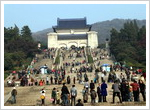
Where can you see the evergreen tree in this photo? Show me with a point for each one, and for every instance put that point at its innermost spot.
(16, 32)
(129, 44)
(11, 34)
(18, 50)
(26, 33)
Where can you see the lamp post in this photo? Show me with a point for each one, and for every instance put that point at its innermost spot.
(107, 43)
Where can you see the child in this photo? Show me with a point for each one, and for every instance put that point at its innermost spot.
(42, 96)
(57, 97)
(74, 80)
(130, 94)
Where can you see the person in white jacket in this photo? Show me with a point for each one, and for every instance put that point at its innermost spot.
(42, 96)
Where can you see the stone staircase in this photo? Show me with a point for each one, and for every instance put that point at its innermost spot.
(30, 96)
(77, 59)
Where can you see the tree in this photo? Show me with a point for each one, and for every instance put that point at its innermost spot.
(16, 32)
(114, 40)
(8, 62)
(129, 44)
(26, 33)
(18, 48)
(11, 33)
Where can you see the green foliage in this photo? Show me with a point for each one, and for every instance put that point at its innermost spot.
(19, 49)
(6, 74)
(8, 62)
(101, 46)
(11, 34)
(129, 44)
(90, 59)
(57, 61)
(43, 45)
(26, 33)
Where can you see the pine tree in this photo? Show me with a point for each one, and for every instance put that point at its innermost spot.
(26, 33)
(129, 44)
(16, 32)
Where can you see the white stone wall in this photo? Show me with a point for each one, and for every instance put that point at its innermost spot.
(69, 43)
(92, 40)
(52, 40)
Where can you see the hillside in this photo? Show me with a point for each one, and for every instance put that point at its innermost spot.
(42, 35)
(103, 29)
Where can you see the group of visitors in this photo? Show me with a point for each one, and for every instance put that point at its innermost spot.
(125, 91)
(101, 92)
(96, 89)
(49, 53)
(65, 98)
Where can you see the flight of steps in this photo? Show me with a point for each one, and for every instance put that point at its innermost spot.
(42, 61)
(66, 59)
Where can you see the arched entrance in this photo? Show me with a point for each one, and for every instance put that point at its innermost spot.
(62, 45)
(82, 45)
(72, 44)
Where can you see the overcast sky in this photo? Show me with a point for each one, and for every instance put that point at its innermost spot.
(43, 16)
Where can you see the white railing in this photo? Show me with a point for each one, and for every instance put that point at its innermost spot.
(86, 58)
(56, 52)
(7, 97)
(94, 64)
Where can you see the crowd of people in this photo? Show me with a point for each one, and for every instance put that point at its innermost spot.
(49, 53)
(95, 82)
(126, 92)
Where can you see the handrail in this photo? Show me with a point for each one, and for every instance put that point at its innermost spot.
(7, 97)
(86, 58)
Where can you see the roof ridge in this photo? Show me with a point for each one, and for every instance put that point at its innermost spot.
(71, 19)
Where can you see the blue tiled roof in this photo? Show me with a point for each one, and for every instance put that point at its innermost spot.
(79, 23)
(72, 36)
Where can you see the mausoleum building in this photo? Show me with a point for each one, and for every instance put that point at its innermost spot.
(72, 32)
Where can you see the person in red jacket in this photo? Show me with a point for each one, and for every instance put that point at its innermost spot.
(41, 82)
(135, 87)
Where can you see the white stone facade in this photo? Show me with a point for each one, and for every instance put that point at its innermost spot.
(92, 39)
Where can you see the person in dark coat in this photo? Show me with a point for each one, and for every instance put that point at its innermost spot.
(56, 80)
(93, 96)
(116, 90)
(123, 91)
(65, 93)
(142, 89)
(85, 94)
(13, 94)
(51, 79)
(104, 91)
(99, 93)
(68, 80)
(85, 77)
(74, 80)
(79, 103)
(92, 85)
(54, 95)
(127, 91)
